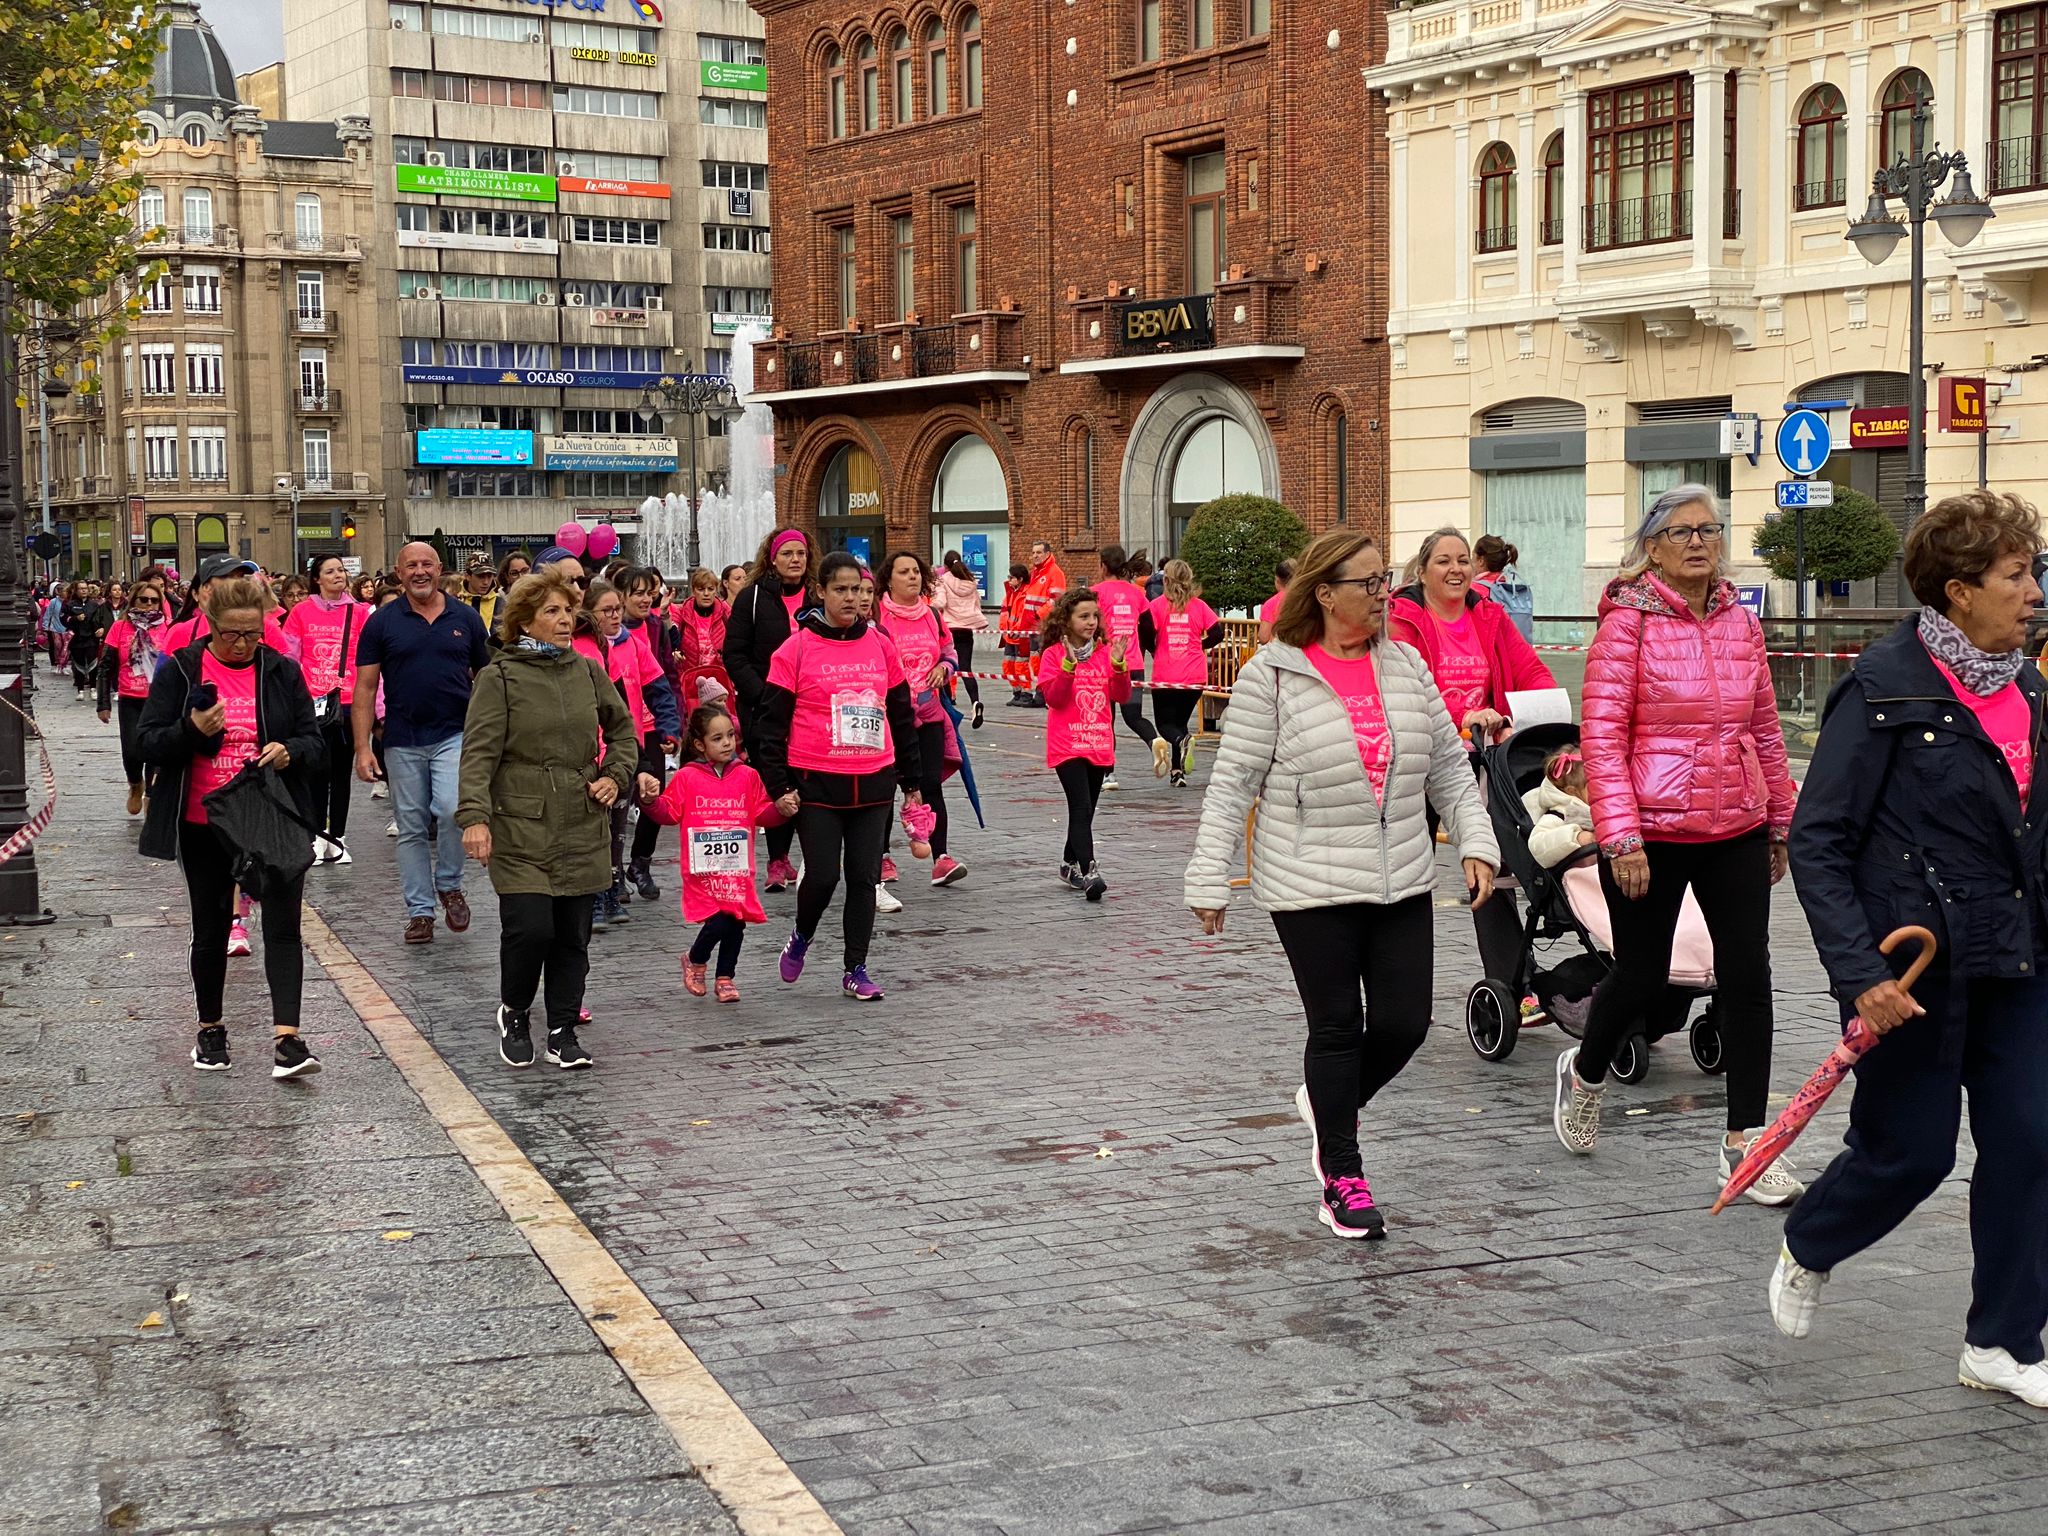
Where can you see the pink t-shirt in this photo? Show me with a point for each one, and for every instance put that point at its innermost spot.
(1462, 675)
(121, 642)
(1121, 604)
(2008, 720)
(841, 720)
(792, 601)
(1357, 684)
(1179, 661)
(316, 630)
(1269, 610)
(717, 814)
(237, 687)
(1079, 710)
(629, 664)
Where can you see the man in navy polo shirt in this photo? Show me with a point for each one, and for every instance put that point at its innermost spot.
(425, 650)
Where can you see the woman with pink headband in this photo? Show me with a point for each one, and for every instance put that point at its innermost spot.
(781, 589)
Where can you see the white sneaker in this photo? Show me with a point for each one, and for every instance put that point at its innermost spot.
(391, 830)
(1109, 781)
(886, 900)
(323, 851)
(341, 853)
(1575, 1112)
(1795, 1294)
(1774, 1186)
(1303, 1108)
(1995, 1370)
(380, 790)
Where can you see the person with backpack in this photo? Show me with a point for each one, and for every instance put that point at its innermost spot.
(1499, 580)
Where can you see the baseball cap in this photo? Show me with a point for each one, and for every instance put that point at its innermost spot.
(480, 565)
(214, 567)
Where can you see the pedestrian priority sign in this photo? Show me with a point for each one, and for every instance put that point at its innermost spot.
(1805, 493)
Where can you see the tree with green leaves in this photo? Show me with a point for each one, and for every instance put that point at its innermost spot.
(1853, 540)
(1234, 542)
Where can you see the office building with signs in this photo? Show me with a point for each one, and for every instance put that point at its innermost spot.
(247, 383)
(572, 205)
(1072, 271)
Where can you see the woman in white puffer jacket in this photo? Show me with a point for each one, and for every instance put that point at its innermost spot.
(1339, 735)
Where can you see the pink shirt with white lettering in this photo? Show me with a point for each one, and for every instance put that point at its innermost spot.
(1121, 604)
(316, 628)
(1080, 705)
(237, 687)
(1462, 675)
(841, 720)
(717, 813)
(1179, 660)
(1357, 685)
(2008, 720)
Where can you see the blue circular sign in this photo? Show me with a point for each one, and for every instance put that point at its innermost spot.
(1804, 442)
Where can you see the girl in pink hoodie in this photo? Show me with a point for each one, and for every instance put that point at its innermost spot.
(1083, 681)
(717, 801)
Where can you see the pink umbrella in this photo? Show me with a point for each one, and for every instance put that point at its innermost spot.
(1856, 1039)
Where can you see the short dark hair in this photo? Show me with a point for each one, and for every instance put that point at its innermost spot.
(839, 560)
(1959, 537)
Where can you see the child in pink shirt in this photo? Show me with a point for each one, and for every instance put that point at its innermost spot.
(1082, 682)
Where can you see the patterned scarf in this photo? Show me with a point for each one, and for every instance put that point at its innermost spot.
(144, 651)
(538, 647)
(1982, 672)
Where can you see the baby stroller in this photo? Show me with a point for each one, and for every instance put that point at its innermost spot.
(1563, 988)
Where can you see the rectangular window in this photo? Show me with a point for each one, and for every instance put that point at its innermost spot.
(209, 449)
(1203, 20)
(729, 112)
(133, 471)
(149, 209)
(408, 17)
(604, 295)
(409, 82)
(313, 374)
(450, 21)
(1206, 245)
(846, 270)
(613, 485)
(156, 298)
(904, 244)
(592, 102)
(740, 301)
(492, 484)
(416, 350)
(602, 423)
(590, 231)
(735, 237)
(1639, 158)
(613, 359)
(728, 173)
(312, 296)
(203, 365)
(565, 33)
(1148, 30)
(159, 368)
(966, 261)
(420, 418)
(1258, 17)
(718, 362)
(318, 467)
(202, 291)
(2019, 122)
(160, 453)
(731, 50)
(199, 214)
(617, 167)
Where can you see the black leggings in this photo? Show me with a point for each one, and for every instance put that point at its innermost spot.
(831, 833)
(963, 647)
(1134, 716)
(1082, 780)
(210, 885)
(1358, 1042)
(1732, 880)
(543, 934)
(337, 778)
(931, 757)
(128, 712)
(1175, 707)
(654, 763)
(722, 931)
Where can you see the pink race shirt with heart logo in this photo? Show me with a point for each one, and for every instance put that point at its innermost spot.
(1357, 686)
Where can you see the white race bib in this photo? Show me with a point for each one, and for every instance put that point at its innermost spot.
(719, 850)
(859, 722)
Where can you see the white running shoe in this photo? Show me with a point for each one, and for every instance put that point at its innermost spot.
(1774, 1186)
(323, 851)
(380, 790)
(341, 853)
(391, 830)
(1303, 1108)
(1575, 1113)
(886, 900)
(1795, 1294)
(1109, 782)
(238, 937)
(1995, 1370)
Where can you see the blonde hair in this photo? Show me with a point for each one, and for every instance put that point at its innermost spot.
(1181, 587)
(234, 594)
(530, 594)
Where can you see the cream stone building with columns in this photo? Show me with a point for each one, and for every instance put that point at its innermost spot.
(1614, 222)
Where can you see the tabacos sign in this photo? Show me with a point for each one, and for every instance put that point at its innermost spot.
(1882, 426)
(1962, 405)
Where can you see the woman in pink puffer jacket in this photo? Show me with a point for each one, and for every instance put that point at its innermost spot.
(1686, 766)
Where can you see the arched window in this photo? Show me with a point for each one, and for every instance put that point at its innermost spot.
(835, 93)
(936, 89)
(970, 60)
(1909, 88)
(1215, 458)
(210, 535)
(308, 222)
(1340, 465)
(1553, 190)
(902, 78)
(163, 541)
(1497, 198)
(1821, 179)
(195, 135)
(870, 86)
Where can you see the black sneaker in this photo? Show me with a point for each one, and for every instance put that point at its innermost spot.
(641, 879)
(211, 1053)
(1072, 878)
(290, 1058)
(515, 1036)
(615, 904)
(566, 1051)
(621, 891)
(1093, 885)
(599, 912)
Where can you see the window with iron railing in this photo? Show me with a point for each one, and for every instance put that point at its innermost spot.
(1823, 150)
(2017, 158)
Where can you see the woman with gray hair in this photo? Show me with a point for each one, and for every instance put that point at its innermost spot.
(1685, 764)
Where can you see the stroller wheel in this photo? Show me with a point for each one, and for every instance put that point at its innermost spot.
(1493, 1020)
(1705, 1039)
(1631, 1060)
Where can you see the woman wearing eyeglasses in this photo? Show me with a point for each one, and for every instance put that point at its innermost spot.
(1339, 735)
(134, 647)
(1686, 766)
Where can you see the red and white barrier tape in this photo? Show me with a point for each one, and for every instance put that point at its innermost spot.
(39, 823)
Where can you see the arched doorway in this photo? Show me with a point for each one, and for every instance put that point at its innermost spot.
(1198, 437)
(163, 541)
(851, 515)
(1879, 473)
(971, 513)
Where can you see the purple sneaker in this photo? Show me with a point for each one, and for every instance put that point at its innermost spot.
(1348, 1209)
(793, 956)
(857, 986)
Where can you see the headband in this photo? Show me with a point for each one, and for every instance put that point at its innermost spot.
(786, 536)
(1561, 766)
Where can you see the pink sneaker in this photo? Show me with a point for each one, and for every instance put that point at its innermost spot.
(888, 870)
(693, 977)
(238, 937)
(948, 870)
(728, 990)
(1348, 1209)
(781, 874)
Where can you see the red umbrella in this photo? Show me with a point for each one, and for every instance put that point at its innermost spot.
(1856, 1039)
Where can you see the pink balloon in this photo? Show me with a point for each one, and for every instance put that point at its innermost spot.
(572, 538)
(604, 540)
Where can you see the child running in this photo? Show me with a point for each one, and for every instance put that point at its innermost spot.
(1082, 682)
(717, 801)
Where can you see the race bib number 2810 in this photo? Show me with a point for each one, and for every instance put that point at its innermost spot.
(719, 851)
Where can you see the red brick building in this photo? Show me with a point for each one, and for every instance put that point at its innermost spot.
(1068, 270)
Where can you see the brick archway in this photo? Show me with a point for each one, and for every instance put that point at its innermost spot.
(796, 504)
(1145, 485)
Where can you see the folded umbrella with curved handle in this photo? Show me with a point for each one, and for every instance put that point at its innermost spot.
(1856, 1040)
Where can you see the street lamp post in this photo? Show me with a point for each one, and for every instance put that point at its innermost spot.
(1914, 179)
(695, 395)
(20, 901)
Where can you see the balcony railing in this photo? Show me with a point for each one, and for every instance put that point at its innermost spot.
(207, 237)
(1731, 214)
(313, 245)
(1499, 238)
(865, 354)
(1638, 221)
(310, 324)
(894, 354)
(1553, 230)
(2017, 165)
(318, 402)
(932, 350)
(1820, 194)
(1244, 311)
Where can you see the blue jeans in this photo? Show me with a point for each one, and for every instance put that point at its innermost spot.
(425, 784)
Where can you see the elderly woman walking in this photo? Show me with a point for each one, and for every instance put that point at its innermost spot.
(1918, 810)
(535, 807)
(1338, 734)
(1686, 764)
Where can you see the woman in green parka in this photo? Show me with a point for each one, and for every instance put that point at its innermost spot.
(535, 808)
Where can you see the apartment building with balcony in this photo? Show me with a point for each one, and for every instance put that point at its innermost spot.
(1069, 272)
(571, 207)
(1618, 221)
(248, 357)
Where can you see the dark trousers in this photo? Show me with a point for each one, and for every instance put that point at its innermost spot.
(963, 647)
(128, 713)
(780, 839)
(337, 779)
(1175, 707)
(210, 885)
(1082, 781)
(721, 931)
(1497, 925)
(931, 752)
(544, 935)
(648, 832)
(832, 835)
(1732, 879)
(1364, 974)
(1901, 1144)
(1134, 716)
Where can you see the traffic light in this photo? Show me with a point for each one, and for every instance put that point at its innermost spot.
(348, 526)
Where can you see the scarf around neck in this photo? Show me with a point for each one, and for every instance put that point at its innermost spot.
(1982, 672)
(144, 651)
(538, 647)
(905, 611)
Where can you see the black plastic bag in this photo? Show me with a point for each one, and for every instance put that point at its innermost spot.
(269, 844)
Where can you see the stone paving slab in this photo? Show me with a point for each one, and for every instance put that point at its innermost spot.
(1031, 1246)
(301, 1373)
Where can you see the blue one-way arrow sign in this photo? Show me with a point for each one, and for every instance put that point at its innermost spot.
(1804, 442)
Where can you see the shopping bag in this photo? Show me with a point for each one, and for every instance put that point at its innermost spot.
(270, 845)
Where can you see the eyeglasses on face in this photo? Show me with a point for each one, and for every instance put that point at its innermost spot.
(1374, 585)
(1704, 533)
(240, 636)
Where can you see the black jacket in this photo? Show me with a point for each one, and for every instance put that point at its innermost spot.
(754, 630)
(1909, 814)
(168, 742)
(768, 740)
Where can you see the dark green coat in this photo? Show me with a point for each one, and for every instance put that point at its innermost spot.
(529, 746)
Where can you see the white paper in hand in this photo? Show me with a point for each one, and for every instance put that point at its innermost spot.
(1540, 706)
